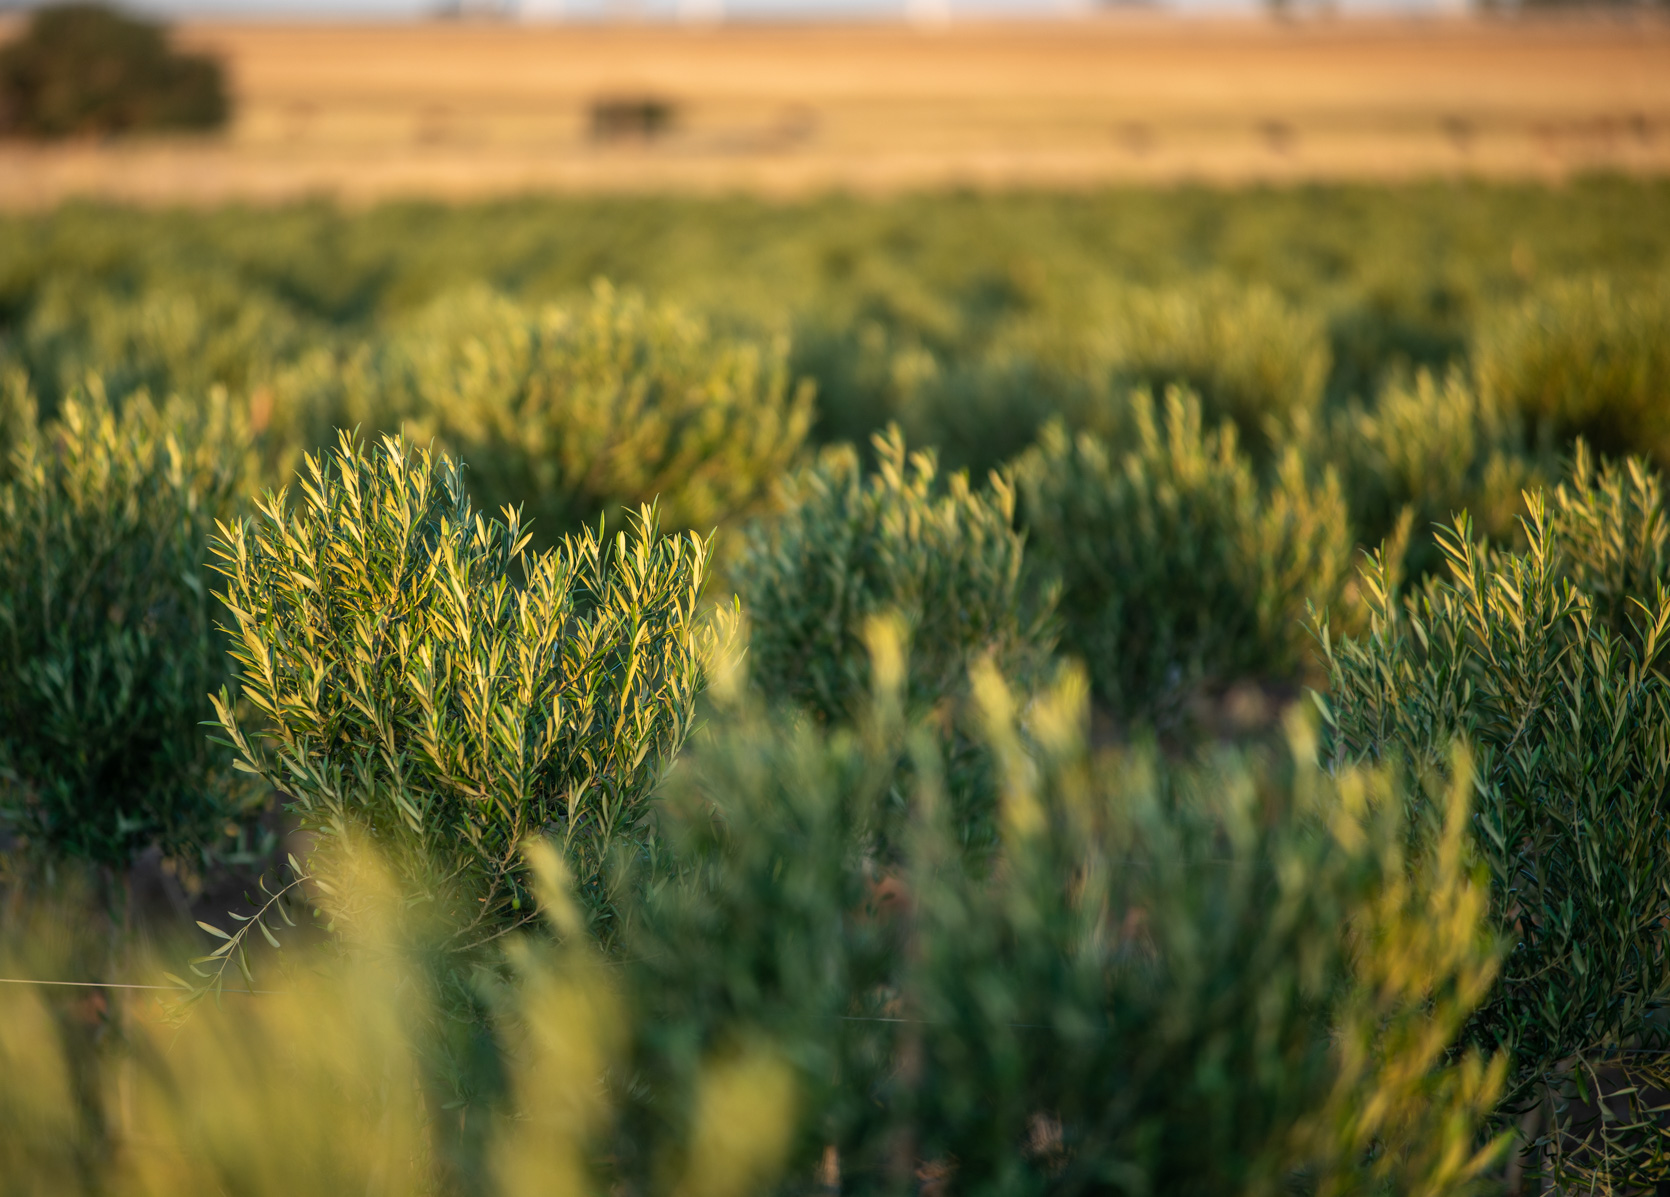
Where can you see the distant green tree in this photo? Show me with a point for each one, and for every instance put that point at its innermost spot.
(87, 70)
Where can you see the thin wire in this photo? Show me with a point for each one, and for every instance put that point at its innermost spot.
(120, 985)
(89, 984)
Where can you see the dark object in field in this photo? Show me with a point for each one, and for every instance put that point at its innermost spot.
(1136, 137)
(1278, 136)
(1461, 131)
(631, 118)
(83, 70)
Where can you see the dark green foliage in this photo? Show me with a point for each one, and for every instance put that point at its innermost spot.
(1179, 572)
(108, 649)
(977, 406)
(770, 933)
(1383, 339)
(1547, 661)
(1138, 998)
(1588, 358)
(850, 546)
(81, 70)
(419, 676)
(852, 551)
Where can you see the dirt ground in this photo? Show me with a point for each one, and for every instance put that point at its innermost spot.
(467, 109)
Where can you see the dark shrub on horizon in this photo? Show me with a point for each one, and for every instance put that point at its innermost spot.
(86, 70)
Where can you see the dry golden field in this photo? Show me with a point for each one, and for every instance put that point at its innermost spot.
(464, 109)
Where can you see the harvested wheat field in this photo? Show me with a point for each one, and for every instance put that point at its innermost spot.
(464, 109)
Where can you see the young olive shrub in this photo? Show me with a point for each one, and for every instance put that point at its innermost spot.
(1194, 980)
(1251, 357)
(1424, 449)
(1584, 359)
(182, 335)
(1179, 572)
(421, 677)
(19, 416)
(1614, 533)
(573, 412)
(850, 545)
(1519, 654)
(108, 646)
